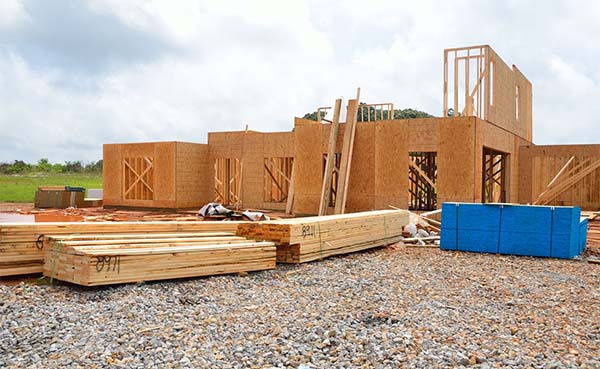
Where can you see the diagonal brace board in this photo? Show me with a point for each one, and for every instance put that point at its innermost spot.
(585, 168)
(139, 177)
(422, 174)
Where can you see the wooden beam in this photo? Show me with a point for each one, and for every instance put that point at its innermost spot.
(330, 163)
(347, 148)
(561, 171)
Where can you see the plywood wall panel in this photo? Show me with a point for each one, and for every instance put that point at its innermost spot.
(361, 187)
(308, 159)
(422, 134)
(193, 179)
(111, 174)
(391, 163)
(539, 164)
(456, 160)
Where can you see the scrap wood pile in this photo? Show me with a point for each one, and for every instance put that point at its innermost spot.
(305, 239)
(21, 246)
(92, 260)
(422, 231)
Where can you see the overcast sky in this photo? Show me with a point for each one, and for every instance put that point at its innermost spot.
(76, 74)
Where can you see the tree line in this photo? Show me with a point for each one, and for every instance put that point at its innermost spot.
(44, 166)
(383, 115)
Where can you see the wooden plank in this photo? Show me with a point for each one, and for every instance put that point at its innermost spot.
(329, 164)
(23, 242)
(347, 148)
(305, 239)
(568, 183)
(119, 263)
(290, 200)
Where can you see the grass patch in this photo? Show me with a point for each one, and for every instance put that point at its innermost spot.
(21, 188)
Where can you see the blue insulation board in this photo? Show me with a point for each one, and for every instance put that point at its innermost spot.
(545, 231)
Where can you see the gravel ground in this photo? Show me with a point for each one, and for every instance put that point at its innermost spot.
(389, 308)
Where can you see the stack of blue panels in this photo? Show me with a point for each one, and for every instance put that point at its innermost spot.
(547, 231)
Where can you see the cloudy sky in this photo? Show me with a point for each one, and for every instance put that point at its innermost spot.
(75, 74)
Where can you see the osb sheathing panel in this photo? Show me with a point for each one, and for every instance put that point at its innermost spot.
(539, 164)
(311, 144)
(379, 172)
(491, 136)
(456, 159)
(309, 148)
(422, 134)
(391, 162)
(112, 174)
(193, 174)
(163, 154)
(251, 148)
(361, 187)
(502, 110)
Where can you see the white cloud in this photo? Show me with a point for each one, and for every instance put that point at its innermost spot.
(12, 13)
(220, 65)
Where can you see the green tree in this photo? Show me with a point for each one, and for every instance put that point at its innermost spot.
(43, 165)
(408, 113)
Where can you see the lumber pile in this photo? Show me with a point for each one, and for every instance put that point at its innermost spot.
(21, 243)
(92, 260)
(305, 239)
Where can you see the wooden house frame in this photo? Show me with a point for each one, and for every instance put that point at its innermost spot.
(480, 150)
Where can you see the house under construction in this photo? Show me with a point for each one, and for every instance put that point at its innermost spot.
(481, 150)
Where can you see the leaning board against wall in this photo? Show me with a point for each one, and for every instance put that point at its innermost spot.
(563, 175)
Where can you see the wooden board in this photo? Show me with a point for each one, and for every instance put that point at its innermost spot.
(539, 164)
(347, 153)
(305, 239)
(21, 244)
(108, 260)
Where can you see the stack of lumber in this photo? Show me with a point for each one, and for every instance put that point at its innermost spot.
(21, 243)
(92, 260)
(305, 239)
(593, 238)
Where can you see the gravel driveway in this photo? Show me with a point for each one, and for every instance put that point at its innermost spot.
(388, 308)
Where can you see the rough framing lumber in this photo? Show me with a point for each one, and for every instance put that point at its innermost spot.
(347, 150)
(290, 200)
(540, 163)
(21, 244)
(477, 82)
(583, 170)
(113, 260)
(422, 174)
(305, 239)
(329, 165)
